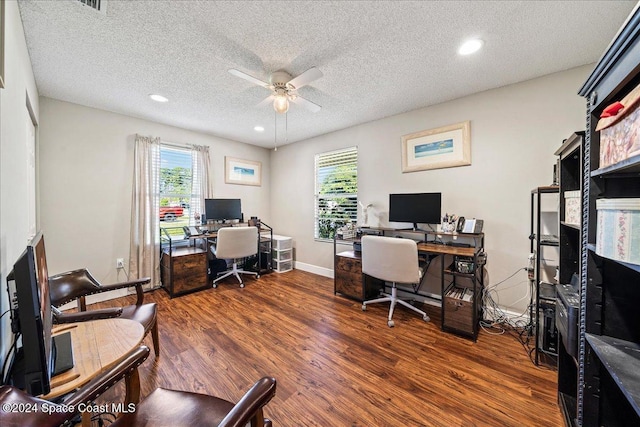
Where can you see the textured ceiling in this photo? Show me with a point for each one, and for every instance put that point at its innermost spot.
(378, 58)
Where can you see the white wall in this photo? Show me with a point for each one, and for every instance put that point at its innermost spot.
(14, 202)
(86, 180)
(514, 133)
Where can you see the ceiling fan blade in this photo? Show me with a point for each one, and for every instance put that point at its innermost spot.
(247, 77)
(311, 106)
(268, 100)
(305, 78)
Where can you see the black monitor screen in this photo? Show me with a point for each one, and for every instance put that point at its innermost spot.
(423, 208)
(34, 308)
(223, 209)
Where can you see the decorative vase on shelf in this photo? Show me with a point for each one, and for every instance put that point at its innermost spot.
(448, 227)
(365, 213)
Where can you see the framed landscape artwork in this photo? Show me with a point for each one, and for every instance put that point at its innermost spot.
(444, 147)
(243, 172)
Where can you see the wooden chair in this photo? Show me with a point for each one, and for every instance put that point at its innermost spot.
(59, 413)
(169, 408)
(78, 284)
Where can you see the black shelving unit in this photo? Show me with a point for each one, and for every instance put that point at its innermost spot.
(570, 172)
(609, 357)
(543, 236)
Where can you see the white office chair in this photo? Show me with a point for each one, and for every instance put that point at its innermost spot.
(392, 260)
(236, 243)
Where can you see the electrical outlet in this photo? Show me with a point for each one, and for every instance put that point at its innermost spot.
(120, 263)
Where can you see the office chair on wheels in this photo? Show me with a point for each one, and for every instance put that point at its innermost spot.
(236, 243)
(392, 260)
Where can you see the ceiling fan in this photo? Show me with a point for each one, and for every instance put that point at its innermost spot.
(285, 88)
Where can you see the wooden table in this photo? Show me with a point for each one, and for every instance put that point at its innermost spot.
(97, 346)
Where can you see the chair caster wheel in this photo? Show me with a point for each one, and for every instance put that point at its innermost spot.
(215, 285)
(257, 276)
(390, 323)
(364, 307)
(425, 318)
(242, 285)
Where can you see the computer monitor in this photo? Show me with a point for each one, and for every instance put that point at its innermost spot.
(416, 208)
(32, 318)
(223, 209)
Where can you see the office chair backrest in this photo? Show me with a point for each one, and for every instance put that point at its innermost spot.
(237, 242)
(390, 259)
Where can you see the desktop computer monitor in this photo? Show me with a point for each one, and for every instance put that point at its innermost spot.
(223, 209)
(416, 208)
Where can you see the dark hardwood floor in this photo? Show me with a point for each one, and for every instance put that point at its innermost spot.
(337, 365)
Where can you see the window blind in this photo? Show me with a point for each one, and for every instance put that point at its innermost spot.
(336, 191)
(176, 175)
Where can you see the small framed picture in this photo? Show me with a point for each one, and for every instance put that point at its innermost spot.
(443, 147)
(242, 172)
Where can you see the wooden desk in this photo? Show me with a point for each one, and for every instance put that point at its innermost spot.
(97, 346)
(457, 315)
(433, 248)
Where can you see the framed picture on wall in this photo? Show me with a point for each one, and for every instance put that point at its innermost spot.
(443, 147)
(243, 172)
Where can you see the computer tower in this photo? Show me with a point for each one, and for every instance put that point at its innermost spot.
(547, 332)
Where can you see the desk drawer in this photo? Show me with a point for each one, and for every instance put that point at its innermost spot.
(348, 265)
(349, 280)
(184, 272)
(348, 277)
(458, 313)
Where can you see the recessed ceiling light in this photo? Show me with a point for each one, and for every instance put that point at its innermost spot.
(258, 129)
(470, 47)
(158, 98)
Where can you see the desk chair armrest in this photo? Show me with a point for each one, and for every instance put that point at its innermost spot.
(35, 418)
(82, 316)
(251, 404)
(77, 284)
(127, 369)
(138, 283)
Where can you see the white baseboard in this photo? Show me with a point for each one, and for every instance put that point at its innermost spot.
(321, 271)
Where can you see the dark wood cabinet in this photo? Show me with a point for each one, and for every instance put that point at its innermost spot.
(184, 270)
(349, 280)
(609, 353)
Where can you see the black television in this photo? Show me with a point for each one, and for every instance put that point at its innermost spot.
(416, 208)
(223, 209)
(35, 361)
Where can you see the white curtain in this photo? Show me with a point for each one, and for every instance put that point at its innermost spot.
(144, 251)
(201, 187)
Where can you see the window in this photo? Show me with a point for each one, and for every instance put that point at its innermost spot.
(336, 192)
(180, 197)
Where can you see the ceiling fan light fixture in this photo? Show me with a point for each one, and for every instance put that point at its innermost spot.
(281, 103)
(470, 46)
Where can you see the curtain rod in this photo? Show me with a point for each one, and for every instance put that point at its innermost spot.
(176, 144)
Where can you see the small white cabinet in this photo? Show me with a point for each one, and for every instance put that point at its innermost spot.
(282, 253)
